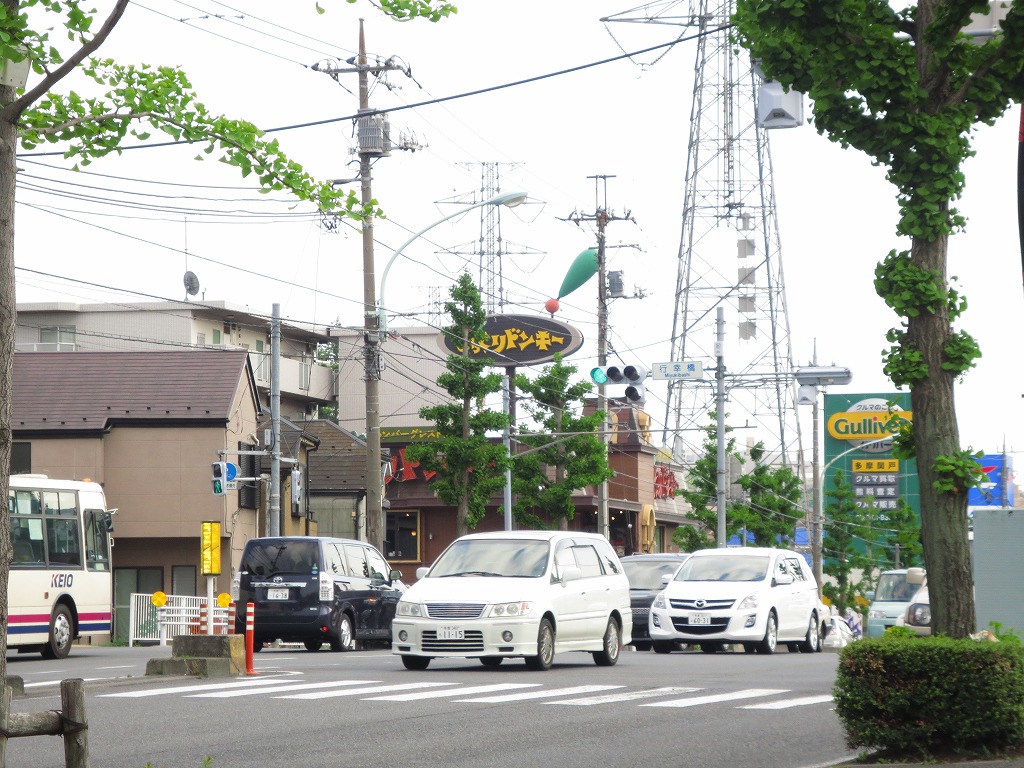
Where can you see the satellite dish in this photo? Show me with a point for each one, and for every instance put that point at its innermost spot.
(191, 283)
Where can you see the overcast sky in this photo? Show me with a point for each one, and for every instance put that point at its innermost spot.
(133, 224)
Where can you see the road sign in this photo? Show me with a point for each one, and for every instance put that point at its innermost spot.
(232, 472)
(675, 371)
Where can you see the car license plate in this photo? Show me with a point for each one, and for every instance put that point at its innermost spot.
(451, 633)
(700, 618)
(277, 594)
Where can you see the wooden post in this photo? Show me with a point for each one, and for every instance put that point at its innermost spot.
(76, 727)
(5, 721)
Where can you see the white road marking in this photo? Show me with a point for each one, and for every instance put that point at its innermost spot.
(360, 691)
(277, 689)
(460, 692)
(611, 698)
(541, 694)
(193, 688)
(697, 701)
(787, 703)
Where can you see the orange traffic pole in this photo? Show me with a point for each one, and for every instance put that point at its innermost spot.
(250, 631)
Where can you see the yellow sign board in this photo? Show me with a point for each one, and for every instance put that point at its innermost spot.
(210, 556)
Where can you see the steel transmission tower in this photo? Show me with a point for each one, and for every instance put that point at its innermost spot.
(729, 250)
(490, 247)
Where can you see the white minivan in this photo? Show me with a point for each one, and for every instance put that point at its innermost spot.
(507, 594)
(754, 596)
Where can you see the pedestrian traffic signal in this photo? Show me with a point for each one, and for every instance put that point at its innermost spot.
(633, 376)
(220, 477)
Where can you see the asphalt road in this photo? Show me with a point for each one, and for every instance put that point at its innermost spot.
(364, 709)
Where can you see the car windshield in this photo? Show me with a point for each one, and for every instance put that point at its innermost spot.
(724, 568)
(894, 588)
(264, 558)
(493, 557)
(646, 574)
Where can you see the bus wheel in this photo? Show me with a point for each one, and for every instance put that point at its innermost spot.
(58, 645)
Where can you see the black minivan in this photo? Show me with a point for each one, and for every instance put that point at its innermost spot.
(312, 590)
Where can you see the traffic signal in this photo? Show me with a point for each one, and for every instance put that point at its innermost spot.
(633, 376)
(220, 477)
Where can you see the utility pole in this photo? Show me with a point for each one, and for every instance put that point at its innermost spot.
(373, 131)
(602, 216)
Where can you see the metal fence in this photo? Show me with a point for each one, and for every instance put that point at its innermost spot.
(182, 615)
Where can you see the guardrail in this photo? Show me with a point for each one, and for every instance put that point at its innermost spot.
(181, 615)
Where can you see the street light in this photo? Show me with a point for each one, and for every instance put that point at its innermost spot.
(375, 501)
(508, 199)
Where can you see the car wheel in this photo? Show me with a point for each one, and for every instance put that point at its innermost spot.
(641, 645)
(313, 645)
(611, 645)
(58, 644)
(545, 648)
(662, 646)
(343, 639)
(416, 662)
(491, 661)
(771, 635)
(710, 647)
(812, 643)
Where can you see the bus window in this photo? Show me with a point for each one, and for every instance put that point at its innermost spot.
(62, 540)
(97, 553)
(24, 503)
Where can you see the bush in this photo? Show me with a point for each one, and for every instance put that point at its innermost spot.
(911, 696)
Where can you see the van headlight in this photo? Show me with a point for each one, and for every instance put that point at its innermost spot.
(405, 608)
(920, 615)
(512, 610)
(747, 603)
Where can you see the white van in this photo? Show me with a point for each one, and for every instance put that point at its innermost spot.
(755, 596)
(527, 594)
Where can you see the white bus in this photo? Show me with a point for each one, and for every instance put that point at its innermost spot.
(60, 580)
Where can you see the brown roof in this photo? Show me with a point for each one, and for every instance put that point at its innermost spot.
(89, 391)
(339, 463)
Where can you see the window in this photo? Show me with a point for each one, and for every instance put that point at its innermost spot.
(305, 373)
(378, 566)
(262, 361)
(200, 339)
(588, 561)
(57, 338)
(21, 458)
(356, 556)
(401, 537)
(216, 337)
(97, 552)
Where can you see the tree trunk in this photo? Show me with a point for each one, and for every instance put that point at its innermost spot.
(8, 318)
(943, 515)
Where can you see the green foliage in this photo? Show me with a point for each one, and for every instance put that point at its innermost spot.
(701, 493)
(902, 529)
(843, 528)
(570, 455)
(470, 466)
(773, 502)
(918, 697)
(957, 473)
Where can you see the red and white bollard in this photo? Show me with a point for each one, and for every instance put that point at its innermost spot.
(231, 618)
(250, 631)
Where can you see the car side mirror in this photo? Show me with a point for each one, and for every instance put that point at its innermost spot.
(665, 579)
(570, 573)
(781, 579)
(422, 571)
(395, 575)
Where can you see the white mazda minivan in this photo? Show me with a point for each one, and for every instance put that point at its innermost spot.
(506, 594)
(754, 596)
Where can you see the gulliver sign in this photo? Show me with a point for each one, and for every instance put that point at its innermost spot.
(520, 340)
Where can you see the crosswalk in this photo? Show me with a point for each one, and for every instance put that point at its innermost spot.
(288, 687)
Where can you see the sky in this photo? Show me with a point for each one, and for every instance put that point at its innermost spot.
(127, 227)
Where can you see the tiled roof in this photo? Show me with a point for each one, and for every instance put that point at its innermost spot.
(88, 391)
(339, 463)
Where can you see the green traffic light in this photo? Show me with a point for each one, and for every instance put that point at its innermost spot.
(598, 376)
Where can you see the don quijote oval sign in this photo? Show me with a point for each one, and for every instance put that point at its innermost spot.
(519, 340)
